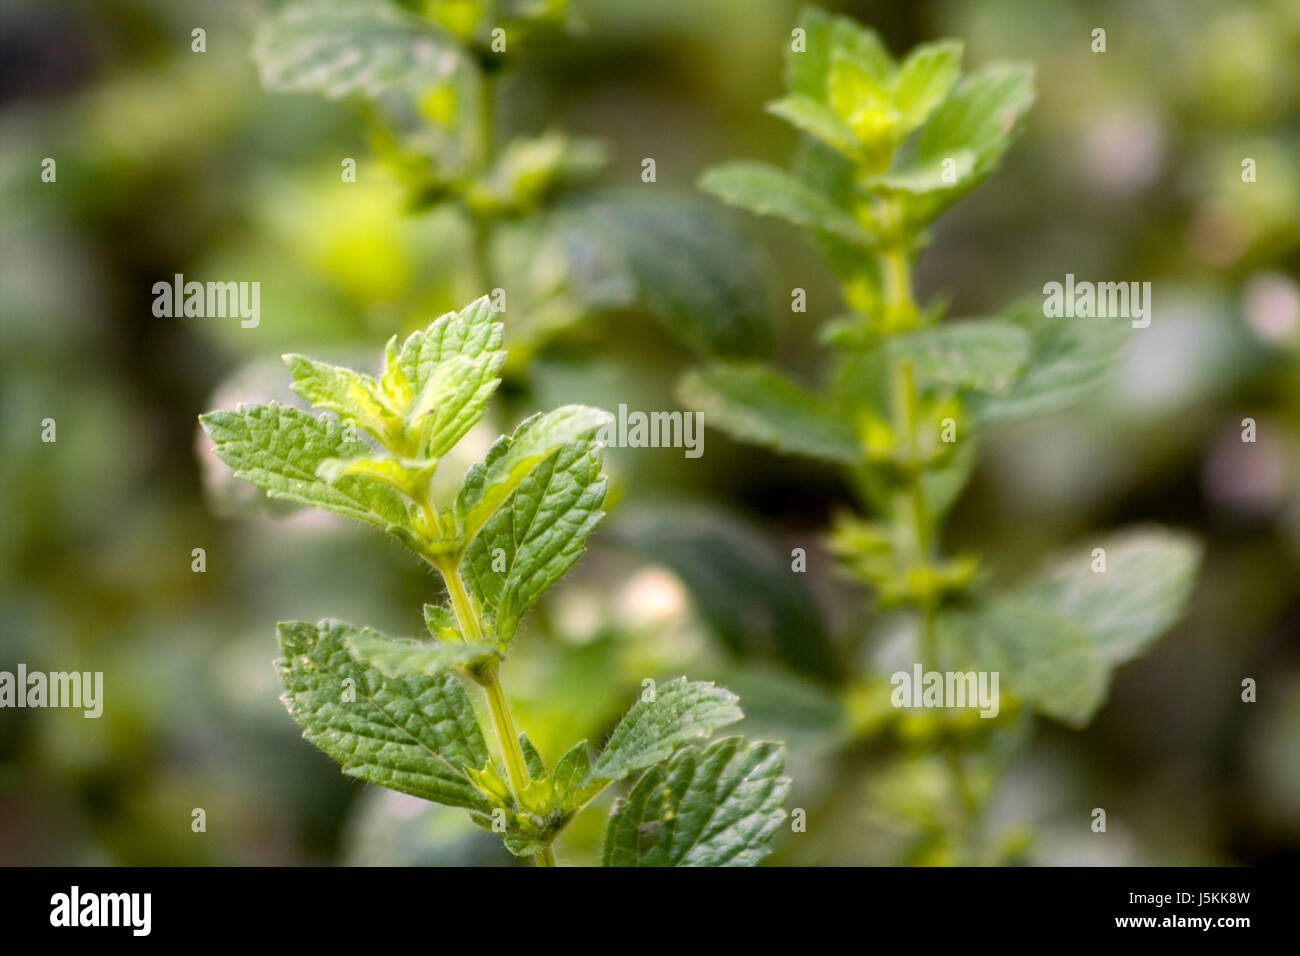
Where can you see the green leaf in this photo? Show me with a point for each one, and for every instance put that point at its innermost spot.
(441, 623)
(754, 404)
(1069, 359)
(415, 734)
(1045, 659)
(670, 255)
(817, 120)
(765, 190)
(924, 79)
(985, 354)
(280, 449)
(532, 759)
(864, 103)
(512, 459)
(807, 72)
(452, 369)
(1149, 577)
(740, 581)
(980, 118)
(350, 394)
(340, 47)
(716, 807)
(536, 537)
(651, 730)
(396, 657)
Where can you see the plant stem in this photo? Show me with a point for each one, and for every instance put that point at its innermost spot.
(912, 515)
(502, 721)
(507, 735)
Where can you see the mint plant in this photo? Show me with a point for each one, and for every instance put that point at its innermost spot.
(431, 80)
(396, 712)
(889, 146)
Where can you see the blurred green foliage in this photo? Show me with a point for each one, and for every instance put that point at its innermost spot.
(175, 162)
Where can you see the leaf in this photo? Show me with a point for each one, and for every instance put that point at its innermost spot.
(670, 255)
(415, 734)
(863, 102)
(512, 459)
(441, 623)
(807, 72)
(980, 117)
(350, 394)
(395, 657)
(532, 759)
(1068, 360)
(817, 120)
(280, 448)
(765, 190)
(1045, 659)
(752, 403)
(924, 79)
(985, 354)
(536, 537)
(716, 807)
(452, 369)
(1149, 577)
(651, 730)
(740, 582)
(341, 47)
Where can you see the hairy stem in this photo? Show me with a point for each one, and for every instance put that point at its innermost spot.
(912, 518)
(502, 722)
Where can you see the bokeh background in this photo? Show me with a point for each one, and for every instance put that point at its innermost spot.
(176, 162)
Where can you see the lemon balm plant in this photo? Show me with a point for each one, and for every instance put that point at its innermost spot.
(397, 712)
(888, 146)
(432, 80)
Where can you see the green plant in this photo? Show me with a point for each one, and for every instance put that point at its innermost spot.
(431, 79)
(890, 146)
(396, 712)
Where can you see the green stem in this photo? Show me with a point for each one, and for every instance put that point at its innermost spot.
(912, 515)
(502, 721)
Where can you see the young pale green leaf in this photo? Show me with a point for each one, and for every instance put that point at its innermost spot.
(985, 354)
(754, 404)
(715, 807)
(924, 79)
(281, 449)
(817, 120)
(536, 536)
(670, 255)
(807, 70)
(340, 47)
(979, 119)
(1148, 579)
(1069, 360)
(441, 623)
(512, 459)
(740, 582)
(452, 369)
(396, 657)
(532, 758)
(651, 730)
(350, 394)
(1043, 658)
(765, 190)
(414, 734)
(864, 103)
